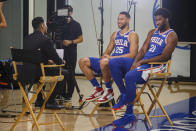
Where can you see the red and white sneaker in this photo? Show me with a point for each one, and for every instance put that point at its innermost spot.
(97, 93)
(107, 96)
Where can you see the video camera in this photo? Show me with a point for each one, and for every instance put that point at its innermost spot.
(59, 19)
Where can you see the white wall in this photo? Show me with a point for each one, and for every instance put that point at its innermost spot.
(144, 22)
(37, 8)
(40, 8)
(83, 13)
(31, 15)
(181, 62)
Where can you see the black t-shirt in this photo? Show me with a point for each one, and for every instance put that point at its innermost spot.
(72, 31)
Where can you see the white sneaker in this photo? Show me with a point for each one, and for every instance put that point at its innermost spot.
(97, 93)
(107, 96)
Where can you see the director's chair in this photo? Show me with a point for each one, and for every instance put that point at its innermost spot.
(20, 56)
(153, 76)
(109, 108)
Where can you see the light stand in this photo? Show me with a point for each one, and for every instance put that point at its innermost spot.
(132, 2)
(101, 42)
(101, 8)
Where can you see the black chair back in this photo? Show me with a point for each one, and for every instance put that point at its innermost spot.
(26, 56)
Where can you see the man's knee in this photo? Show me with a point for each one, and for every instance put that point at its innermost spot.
(111, 63)
(104, 62)
(84, 62)
(130, 76)
(115, 62)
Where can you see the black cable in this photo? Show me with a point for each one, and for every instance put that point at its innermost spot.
(8, 106)
(6, 122)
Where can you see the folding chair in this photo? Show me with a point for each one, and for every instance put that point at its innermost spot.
(97, 106)
(152, 76)
(20, 56)
(110, 108)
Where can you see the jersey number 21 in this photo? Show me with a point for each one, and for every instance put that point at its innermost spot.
(152, 48)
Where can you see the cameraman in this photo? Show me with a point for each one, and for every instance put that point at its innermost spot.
(3, 23)
(71, 36)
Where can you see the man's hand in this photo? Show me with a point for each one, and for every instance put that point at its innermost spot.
(51, 62)
(64, 62)
(135, 65)
(67, 42)
(106, 56)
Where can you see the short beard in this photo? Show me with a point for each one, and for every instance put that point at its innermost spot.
(122, 27)
(162, 28)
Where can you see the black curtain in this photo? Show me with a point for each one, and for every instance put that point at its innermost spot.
(183, 18)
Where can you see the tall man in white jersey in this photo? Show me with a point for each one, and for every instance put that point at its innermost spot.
(125, 45)
(158, 47)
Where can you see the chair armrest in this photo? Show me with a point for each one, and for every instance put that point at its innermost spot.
(153, 63)
(48, 66)
(168, 63)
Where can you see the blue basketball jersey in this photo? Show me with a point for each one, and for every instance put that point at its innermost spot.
(122, 44)
(157, 44)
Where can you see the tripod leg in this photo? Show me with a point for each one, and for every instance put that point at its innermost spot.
(13, 96)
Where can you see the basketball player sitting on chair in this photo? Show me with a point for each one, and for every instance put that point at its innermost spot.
(158, 47)
(125, 45)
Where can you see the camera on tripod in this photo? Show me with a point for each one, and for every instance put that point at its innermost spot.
(59, 18)
(59, 21)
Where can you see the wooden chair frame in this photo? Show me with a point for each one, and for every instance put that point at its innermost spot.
(43, 80)
(138, 101)
(152, 76)
(110, 108)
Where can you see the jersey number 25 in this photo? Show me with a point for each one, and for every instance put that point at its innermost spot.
(119, 50)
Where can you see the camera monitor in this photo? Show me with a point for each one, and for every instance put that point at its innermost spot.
(63, 12)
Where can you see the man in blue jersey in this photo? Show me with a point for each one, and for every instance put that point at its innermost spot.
(158, 47)
(125, 45)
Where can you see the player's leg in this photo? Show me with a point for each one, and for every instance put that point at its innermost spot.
(88, 65)
(128, 117)
(118, 68)
(108, 92)
(131, 78)
(84, 64)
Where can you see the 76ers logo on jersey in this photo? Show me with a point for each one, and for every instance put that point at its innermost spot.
(157, 40)
(121, 42)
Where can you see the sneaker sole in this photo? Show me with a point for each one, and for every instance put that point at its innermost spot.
(115, 109)
(105, 101)
(93, 99)
(133, 123)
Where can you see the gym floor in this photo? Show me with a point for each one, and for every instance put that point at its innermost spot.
(179, 101)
